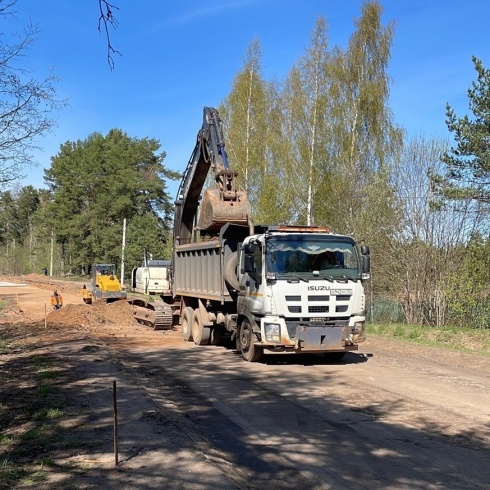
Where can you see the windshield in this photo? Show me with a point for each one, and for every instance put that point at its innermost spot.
(310, 256)
(105, 269)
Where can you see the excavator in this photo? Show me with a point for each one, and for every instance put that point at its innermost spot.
(218, 206)
(198, 211)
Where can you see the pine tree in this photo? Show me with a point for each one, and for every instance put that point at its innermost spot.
(468, 162)
(99, 182)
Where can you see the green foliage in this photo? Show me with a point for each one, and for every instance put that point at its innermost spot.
(468, 162)
(468, 298)
(45, 390)
(47, 413)
(244, 113)
(316, 149)
(98, 183)
(4, 346)
(9, 230)
(356, 195)
(460, 339)
(307, 117)
(320, 147)
(385, 311)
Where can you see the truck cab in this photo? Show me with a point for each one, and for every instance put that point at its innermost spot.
(300, 289)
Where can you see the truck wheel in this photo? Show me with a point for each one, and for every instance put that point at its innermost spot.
(200, 334)
(250, 352)
(216, 335)
(187, 319)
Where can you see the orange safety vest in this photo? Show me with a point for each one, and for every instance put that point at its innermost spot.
(56, 300)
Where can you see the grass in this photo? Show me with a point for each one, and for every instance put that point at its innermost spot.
(41, 362)
(36, 477)
(45, 390)
(3, 346)
(475, 341)
(4, 439)
(48, 413)
(31, 427)
(10, 471)
(49, 374)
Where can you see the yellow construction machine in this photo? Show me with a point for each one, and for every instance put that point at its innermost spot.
(104, 286)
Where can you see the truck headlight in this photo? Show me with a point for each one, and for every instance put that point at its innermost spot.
(272, 332)
(357, 333)
(358, 327)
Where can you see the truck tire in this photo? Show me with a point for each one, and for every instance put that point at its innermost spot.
(187, 319)
(250, 352)
(200, 334)
(216, 335)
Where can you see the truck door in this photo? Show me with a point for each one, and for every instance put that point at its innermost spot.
(251, 279)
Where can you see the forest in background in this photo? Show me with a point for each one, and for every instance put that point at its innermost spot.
(320, 147)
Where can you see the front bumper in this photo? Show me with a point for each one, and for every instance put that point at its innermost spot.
(312, 336)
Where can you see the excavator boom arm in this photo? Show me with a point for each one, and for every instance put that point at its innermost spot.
(222, 205)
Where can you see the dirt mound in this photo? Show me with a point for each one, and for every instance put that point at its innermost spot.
(118, 313)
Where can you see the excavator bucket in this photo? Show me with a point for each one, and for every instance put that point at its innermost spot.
(216, 212)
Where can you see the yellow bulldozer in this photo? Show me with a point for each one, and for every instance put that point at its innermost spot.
(104, 286)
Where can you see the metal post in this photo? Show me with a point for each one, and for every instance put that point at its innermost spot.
(116, 444)
(51, 255)
(122, 253)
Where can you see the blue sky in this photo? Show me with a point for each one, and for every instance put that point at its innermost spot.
(179, 56)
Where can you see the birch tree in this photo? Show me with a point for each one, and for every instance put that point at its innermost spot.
(304, 104)
(244, 115)
(364, 140)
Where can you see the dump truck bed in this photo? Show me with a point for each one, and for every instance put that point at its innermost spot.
(198, 271)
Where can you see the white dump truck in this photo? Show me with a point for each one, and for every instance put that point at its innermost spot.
(275, 288)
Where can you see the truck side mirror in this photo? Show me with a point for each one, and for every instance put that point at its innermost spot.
(249, 249)
(366, 264)
(249, 263)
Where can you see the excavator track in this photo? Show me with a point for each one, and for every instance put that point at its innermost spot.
(157, 315)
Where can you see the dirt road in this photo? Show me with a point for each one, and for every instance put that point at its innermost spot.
(394, 416)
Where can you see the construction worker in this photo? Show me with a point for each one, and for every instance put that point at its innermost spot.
(56, 300)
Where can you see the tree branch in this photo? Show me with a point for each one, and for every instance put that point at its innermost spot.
(107, 19)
